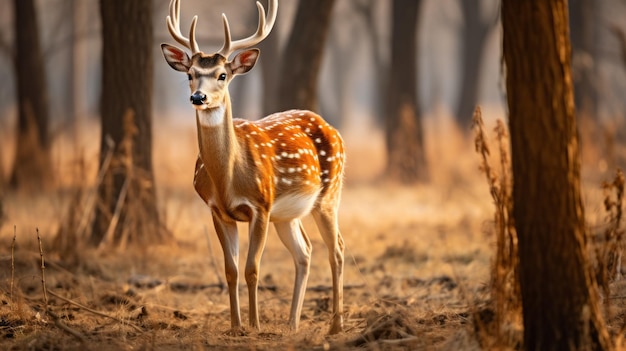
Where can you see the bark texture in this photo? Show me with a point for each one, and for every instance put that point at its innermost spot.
(559, 294)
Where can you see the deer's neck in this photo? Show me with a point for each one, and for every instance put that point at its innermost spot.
(217, 142)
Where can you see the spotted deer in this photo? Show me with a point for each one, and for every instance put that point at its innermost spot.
(276, 169)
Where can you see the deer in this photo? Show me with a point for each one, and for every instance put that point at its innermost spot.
(276, 169)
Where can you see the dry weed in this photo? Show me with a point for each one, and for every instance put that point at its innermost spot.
(609, 251)
(70, 236)
(505, 291)
(121, 222)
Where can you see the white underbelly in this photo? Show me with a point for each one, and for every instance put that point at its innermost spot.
(291, 206)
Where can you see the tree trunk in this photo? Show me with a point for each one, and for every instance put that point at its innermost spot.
(302, 57)
(270, 61)
(127, 210)
(70, 92)
(582, 20)
(559, 293)
(368, 10)
(32, 169)
(406, 160)
(473, 39)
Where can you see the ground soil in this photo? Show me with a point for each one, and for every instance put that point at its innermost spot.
(416, 271)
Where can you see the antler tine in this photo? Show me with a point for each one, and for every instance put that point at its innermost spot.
(225, 50)
(192, 36)
(173, 25)
(263, 30)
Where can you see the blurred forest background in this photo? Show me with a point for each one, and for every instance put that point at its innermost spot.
(457, 66)
(400, 79)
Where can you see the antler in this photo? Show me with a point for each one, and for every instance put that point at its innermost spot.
(173, 24)
(262, 31)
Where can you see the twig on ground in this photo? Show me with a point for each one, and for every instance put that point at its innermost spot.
(98, 313)
(65, 327)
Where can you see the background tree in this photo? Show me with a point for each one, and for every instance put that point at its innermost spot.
(560, 302)
(302, 57)
(583, 14)
(473, 39)
(32, 168)
(367, 11)
(351, 19)
(127, 194)
(406, 160)
(270, 60)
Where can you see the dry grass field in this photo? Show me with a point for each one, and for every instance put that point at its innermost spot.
(416, 271)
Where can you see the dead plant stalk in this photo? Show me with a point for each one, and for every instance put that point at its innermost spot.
(55, 318)
(43, 268)
(13, 261)
(504, 281)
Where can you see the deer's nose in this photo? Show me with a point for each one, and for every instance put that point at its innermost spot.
(198, 98)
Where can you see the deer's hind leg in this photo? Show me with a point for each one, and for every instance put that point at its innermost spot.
(325, 216)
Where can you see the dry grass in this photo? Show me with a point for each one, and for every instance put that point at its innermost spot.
(501, 328)
(609, 249)
(418, 271)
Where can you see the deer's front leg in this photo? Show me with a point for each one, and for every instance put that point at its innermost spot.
(229, 239)
(258, 236)
(297, 242)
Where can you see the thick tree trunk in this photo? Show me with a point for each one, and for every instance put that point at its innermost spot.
(32, 169)
(127, 210)
(559, 294)
(406, 160)
(302, 57)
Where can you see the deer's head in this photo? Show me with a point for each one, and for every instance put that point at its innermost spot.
(210, 74)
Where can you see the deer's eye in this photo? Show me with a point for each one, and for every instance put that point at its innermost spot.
(222, 76)
(189, 76)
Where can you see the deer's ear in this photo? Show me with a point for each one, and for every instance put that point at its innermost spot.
(244, 61)
(176, 58)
